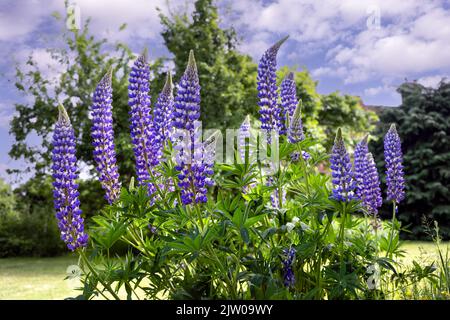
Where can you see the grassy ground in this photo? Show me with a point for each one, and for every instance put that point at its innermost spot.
(36, 278)
(43, 278)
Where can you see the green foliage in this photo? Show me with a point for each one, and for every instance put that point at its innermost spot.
(422, 122)
(232, 247)
(31, 229)
(7, 199)
(227, 77)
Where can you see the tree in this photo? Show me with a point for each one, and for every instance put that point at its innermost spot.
(85, 60)
(422, 123)
(227, 77)
(7, 200)
(324, 114)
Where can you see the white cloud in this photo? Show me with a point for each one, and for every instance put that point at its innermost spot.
(431, 81)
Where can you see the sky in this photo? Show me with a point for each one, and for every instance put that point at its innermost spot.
(360, 47)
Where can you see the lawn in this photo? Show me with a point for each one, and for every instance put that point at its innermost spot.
(43, 278)
(36, 278)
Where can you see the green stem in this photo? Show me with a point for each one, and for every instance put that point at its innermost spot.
(342, 233)
(91, 268)
(391, 235)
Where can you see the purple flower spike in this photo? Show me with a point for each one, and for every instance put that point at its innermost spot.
(289, 101)
(295, 131)
(142, 134)
(394, 168)
(341, 171)
(372, 196)
(187, 101)
(163, 114)
(65, 191)
(288, 273)
(103, 138)
(271, 114)
(194, 157)
(360, 167)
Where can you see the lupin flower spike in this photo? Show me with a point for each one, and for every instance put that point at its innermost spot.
(360, 167)
(271, 115)
(193, 162)
(289, 101)
(341, 171)
(289, 258)
(187, 101)
(372, 197)
(103, 138)
(163, 113)
(394, 167)
(65, 193)
(295, 131)
(141, 126)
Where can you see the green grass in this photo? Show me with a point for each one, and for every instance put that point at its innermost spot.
(43, 278)
(36, 278)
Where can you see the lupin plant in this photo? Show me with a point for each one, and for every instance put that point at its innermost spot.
(67, 204)
(394, 167)
(366, 177)
(394, 174)
(236, 246)
(191, 164)
(272, 118)
(146, 151)
(341, 171)
(103, 138)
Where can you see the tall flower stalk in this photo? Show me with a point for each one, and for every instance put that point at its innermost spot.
(103, 138)
(288, 93)
(366, 178)
(141, 126)
(341, 171)
(288, 262)
(163, 113)
(65, 191)
(394, 174)
(295, 131)
(192, 162)
(271, 114)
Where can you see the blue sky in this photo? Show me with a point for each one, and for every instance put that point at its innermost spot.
(360, 47)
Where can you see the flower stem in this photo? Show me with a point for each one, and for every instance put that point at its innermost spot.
(91, 268)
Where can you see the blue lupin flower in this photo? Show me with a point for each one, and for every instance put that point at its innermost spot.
(372, 197)
(141, 126)
(295, 156)
(103, 138)
(271, 114)
(295, 131)
(394, 168)
(187, 101)
(193, 162)
(65, 191)
(163, 113)
(288, 262)
(341, 171)
(288, 93)
(360, 167)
